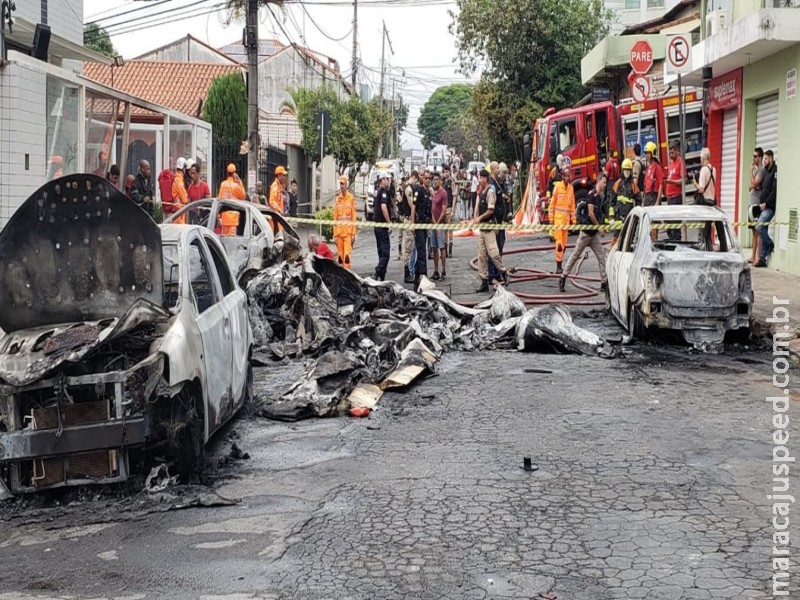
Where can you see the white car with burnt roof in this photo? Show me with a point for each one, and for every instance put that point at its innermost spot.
(120, 336)
(680, 268)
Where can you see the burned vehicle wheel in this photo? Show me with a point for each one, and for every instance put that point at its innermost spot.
(187, 442)
(636, 326)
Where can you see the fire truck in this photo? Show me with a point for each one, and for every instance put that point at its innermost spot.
(597, 137)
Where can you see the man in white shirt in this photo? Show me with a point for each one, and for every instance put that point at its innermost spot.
(706, 184)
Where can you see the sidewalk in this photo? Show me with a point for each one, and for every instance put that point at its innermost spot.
(767, 284)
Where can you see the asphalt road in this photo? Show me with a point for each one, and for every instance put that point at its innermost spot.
(652, 477)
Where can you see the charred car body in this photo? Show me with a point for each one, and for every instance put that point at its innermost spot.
(254, 236)
(697, 281)
(120, 336)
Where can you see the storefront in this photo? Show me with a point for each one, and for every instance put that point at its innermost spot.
(724, 141)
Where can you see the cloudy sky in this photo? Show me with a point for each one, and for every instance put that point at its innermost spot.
(423, 48)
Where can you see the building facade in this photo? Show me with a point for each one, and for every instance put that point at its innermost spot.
(632, 12)
(749, 57)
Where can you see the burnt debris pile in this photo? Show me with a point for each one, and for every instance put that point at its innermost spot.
(360, 333)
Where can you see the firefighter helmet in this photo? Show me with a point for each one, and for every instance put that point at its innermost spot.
(651, 148)
(627, 165)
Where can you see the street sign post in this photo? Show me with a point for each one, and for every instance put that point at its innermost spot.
(641, 63)
(679, 54)
(641, 88)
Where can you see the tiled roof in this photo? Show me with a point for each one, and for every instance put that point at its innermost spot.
(179, 86)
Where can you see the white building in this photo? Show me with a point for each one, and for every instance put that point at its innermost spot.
(632, 12)
(55, 122)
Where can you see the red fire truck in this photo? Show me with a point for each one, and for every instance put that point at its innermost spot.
(597, 137)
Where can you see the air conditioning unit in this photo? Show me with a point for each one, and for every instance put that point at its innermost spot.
(716, 21)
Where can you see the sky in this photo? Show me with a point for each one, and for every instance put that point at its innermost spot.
(424, 51)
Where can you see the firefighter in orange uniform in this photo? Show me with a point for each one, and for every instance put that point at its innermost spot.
(344, 209)
(179, 196)
(276, 190)
(232, 188)
(562, 210)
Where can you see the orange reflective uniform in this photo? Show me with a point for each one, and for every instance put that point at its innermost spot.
(179, 196)
(562, 212)
(276, 196)
(232, 190)
(344, 209)
(230, 222)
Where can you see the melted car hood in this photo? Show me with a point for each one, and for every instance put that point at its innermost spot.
(28, 355)
(77, 250)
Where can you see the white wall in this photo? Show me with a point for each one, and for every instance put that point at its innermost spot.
(65, 17)
(23, 93)
(186, 51)
(288, 70)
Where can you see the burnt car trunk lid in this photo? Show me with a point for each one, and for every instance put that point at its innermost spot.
(707, 280)
(77, 250)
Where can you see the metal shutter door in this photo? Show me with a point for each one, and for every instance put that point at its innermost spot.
(767, 124)
(727, 175)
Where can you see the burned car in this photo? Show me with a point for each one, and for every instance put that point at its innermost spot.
(254, 236)
(694, 279)
(121, 337)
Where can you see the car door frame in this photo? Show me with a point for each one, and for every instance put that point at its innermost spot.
(612, 267)
(240, 335)
(213, 331)
(626, 259)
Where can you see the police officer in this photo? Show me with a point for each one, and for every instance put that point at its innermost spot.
(422, 214)
(497, 180)
(625, 195)
(487, 244)
(406, 202)
(381, 213)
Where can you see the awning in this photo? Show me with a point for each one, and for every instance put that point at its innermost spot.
(59, 46)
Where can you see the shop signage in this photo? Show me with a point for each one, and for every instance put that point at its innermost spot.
(726, 91)
(791, 83)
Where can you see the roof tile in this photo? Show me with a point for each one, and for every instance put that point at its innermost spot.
(179, 86)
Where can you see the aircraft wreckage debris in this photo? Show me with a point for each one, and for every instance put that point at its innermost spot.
(361, 337)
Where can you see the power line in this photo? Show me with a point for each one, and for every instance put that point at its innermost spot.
(322, 31)
(149, 21)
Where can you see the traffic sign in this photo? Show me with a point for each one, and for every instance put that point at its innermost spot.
(679, 53)
(641, 88)
(641, 57)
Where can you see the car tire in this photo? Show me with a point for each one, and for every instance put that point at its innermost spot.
(188, 443)
(636, 327)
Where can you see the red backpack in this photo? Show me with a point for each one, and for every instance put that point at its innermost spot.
(165, 179)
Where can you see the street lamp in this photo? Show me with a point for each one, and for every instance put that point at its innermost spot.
(117, 61)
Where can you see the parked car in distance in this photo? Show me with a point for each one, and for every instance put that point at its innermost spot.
(254, 235)
(699, 285)
(121, 335)
(373, 183)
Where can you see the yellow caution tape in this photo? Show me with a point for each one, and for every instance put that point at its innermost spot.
(539, 227)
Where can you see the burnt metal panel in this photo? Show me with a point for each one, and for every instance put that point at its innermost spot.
(77, 250)
(18, 445)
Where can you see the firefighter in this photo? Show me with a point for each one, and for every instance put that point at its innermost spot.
(653, 177)
(277, 189)
(625, 195)
(232, 188)
(555, 176)
(562, 211)
(344, 209)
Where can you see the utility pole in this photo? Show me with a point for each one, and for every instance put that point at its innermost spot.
(383, 58)
(394, 122)
(251, 42)
(355, 46)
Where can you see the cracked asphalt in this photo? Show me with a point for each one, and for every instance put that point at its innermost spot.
(652, 478)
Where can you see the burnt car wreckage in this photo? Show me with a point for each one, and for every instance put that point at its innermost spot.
(120, 335)
(256, 238)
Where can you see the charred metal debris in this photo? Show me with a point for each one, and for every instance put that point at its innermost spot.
(361, 337)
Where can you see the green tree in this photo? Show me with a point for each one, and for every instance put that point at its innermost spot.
(356, 126)
(444, 104)
(531, 52)
(96, 38)
(226, 109)
(463, 133)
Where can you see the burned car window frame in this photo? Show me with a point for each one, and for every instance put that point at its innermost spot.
(220, 260)
(205, 265)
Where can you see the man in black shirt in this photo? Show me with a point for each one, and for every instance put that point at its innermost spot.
(421, 212)
(769, 198)
(381, 213)
(142, 189)
(590, 214)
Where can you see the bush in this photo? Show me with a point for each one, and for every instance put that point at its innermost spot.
(326, 231)
(158, 213)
